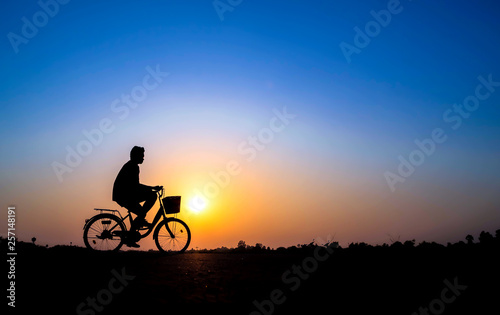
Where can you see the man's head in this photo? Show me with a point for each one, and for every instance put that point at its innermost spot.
(137, 154)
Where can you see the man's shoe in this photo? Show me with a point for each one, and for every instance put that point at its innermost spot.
(132, 244)
(131, 238)
(119, 233)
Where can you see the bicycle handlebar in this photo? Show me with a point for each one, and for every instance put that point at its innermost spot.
(160, 191)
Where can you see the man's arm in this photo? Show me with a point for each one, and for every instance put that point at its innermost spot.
(150, 187)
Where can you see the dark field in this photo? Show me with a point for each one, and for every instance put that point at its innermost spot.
(458, 279)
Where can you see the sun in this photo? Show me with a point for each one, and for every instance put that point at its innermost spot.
(197, 204)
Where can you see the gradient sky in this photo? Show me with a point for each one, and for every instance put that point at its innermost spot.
(321, 176)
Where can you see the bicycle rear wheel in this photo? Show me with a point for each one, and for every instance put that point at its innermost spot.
(104, 232)
(178, 241)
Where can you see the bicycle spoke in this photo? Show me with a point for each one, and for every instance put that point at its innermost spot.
(95, 229)
(178, 241)
(99, 225)
(173, 228)
(167, 244)
(98, 234)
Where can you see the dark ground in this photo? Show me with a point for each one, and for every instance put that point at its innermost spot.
(357, 280)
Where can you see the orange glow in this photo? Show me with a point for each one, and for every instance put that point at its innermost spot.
(280, 198)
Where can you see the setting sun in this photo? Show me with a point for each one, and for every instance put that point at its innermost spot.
(197, 204)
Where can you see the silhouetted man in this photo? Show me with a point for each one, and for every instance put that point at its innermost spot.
(128, 192)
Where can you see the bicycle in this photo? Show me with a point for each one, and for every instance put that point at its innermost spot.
(107, 230)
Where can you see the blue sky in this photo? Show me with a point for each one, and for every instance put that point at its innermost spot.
(263, 55)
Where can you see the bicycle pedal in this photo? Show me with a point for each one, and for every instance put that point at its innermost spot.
(121, 235)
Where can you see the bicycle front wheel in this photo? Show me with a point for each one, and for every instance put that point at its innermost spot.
(104, 232)
(178, 241)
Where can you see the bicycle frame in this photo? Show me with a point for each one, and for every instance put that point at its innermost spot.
(161, 213)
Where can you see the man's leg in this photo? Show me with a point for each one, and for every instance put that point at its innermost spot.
(138, 210)
(149, 198)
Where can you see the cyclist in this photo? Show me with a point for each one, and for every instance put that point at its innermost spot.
(128, 192)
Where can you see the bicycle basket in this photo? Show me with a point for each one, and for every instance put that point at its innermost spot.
(172, 204)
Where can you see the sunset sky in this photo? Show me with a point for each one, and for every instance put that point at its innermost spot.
(290, 120)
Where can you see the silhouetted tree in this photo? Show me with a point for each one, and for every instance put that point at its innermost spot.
(485, 238)
(409, 243)
(359, 246)
(430, 246)
(470, 239)
(397, 244)
(332, 245)
(242, 245)
(497, 234)
(33, 240)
